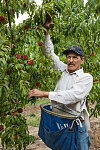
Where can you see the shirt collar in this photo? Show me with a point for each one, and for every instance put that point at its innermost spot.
(78, 72)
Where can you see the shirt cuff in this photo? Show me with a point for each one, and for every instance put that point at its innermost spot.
(55, 97)
(52, 95)
(60, 98)
(47, 38)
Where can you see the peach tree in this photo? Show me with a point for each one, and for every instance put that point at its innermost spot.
(21, 68)
(23, 65)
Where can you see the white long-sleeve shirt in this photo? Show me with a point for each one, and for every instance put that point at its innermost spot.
(72, 87)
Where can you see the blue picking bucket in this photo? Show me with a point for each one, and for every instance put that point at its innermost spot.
(54, 130)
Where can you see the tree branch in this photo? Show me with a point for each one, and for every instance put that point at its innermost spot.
(8, 14)
(93, 111)
(9, 20)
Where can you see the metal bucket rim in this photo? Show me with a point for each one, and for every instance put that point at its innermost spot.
(54, 113)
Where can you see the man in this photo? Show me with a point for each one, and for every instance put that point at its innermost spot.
(73, 87)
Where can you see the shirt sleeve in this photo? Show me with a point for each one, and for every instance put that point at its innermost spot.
(49, 52)
(78, 92)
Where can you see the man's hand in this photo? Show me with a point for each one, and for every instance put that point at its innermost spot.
(49, 21)
(37, 93)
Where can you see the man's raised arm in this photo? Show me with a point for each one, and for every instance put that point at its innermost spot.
(48, 45)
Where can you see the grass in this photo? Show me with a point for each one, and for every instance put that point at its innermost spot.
(39, 101)
(33, 119)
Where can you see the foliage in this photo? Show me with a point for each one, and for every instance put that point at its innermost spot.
(74, 24)
(80, 26)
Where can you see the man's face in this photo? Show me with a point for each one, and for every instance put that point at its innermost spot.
(74, 61)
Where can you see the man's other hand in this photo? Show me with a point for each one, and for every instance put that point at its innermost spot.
(37, 93)
(49, 21)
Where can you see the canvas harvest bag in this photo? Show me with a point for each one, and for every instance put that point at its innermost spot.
(57, 131)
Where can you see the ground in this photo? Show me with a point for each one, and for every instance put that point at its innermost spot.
(33, 113)
(39, 145)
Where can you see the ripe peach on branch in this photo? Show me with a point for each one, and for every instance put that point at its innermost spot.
(1, 127)
(2, 18)
(11, 45)
(14, 101)
(26, 27)
(25, 56)
(13, 113)
(24, 4)
(18, 56)
(37, 84)
(40, 43)
(13, 11)
(30, 62)
(96, 80)
(20, 110)
(15, 137)
(93, 53)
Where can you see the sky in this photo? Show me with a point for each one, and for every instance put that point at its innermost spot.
(25, 15)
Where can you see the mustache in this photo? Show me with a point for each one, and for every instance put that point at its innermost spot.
(71, 63)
